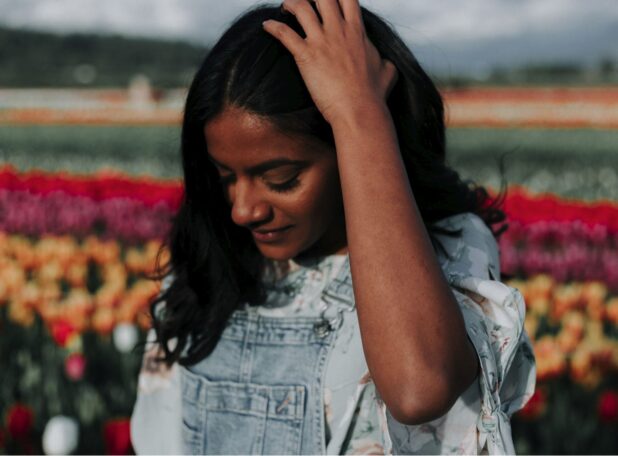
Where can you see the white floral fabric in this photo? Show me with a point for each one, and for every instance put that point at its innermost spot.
(357, 420)
(479, 421)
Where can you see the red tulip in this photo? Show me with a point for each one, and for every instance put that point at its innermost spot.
(62, 331)
(607, 407)
(535, 406)
(19, 420)
(117, 436)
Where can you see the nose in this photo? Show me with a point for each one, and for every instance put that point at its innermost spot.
(248, 206)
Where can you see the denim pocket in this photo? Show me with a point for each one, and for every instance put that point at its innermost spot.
(225, 417)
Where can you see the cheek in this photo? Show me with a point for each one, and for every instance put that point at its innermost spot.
(330, 187)
(304, 205)
(322, 199)
(317, 200)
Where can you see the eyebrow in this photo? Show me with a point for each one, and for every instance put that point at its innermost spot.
(264, 166)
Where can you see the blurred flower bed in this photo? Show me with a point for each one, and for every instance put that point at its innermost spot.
(75, 253)
(563, 256)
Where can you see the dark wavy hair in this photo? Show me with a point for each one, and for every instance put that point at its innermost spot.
(214, 263)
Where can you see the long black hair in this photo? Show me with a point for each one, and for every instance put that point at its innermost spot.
(214, 263)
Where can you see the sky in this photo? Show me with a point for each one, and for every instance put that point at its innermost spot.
(448, 36)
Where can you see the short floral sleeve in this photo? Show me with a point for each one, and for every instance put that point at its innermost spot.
(479, 421)
(156, 416)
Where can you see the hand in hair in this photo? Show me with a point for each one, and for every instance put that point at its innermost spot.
(341, 68)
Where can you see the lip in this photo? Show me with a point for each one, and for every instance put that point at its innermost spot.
(272, 235)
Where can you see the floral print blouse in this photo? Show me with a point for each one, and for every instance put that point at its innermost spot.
(357, 420)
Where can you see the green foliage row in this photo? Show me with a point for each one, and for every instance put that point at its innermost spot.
(39, 59)
(570, 425)
(580, 163)
(33, 373)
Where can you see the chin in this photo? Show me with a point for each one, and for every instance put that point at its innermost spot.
(279, 254)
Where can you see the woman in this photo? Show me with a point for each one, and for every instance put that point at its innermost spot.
(333, 285)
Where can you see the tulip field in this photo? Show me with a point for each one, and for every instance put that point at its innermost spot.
(84, 209)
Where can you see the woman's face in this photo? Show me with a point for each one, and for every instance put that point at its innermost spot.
(283, 187)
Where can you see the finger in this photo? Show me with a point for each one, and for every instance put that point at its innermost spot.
(330, 12)
(352, 11)
(288, 37)
(305, 15)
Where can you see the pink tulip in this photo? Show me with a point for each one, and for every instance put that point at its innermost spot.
(74, 366)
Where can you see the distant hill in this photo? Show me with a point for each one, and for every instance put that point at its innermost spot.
(42, 59)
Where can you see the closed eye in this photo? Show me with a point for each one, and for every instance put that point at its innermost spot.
(284, 186)
(280, 187)
(283, 178)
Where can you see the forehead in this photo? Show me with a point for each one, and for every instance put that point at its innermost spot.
(237, 137)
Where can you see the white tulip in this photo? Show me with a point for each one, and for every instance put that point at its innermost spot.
(60, 435)
(125, 337)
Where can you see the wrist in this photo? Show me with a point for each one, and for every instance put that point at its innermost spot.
(361, 116)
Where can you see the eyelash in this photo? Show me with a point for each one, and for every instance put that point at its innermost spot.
(285, 186)
(279, 188)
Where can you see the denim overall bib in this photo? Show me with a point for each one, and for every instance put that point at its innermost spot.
(261, 389)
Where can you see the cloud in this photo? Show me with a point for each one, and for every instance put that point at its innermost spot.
(448, 21)
(183, 19)
(442, 31)
(440, 21)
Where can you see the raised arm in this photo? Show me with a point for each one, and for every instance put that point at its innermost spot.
(413, 332)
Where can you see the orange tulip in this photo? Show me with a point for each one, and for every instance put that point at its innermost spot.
(566, 297)
(21, 313)
(567, 341)
(50, 272)
(14, 278)
(103, 320)
(144, 320)
(30, 294)
(4, 293)
(77, 274)
(134, 260)
(593, 295)
(21, 248)
(581, 362)
(539, 305)
(49, 292)
(125, 314)
(574, 322)
(611, 310)
(109, 295)
(531, 324)
(541, 286)
(551, 361)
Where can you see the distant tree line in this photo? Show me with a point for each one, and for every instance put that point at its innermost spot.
(605, 72)
(40, 59)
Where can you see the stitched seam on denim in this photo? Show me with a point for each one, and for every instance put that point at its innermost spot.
(319, 424)
(246, 358)
(193, 437)
(258, 444)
